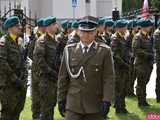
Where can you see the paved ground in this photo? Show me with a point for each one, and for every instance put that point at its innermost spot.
(150, 86)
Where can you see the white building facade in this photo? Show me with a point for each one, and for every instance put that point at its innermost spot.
(63, 8)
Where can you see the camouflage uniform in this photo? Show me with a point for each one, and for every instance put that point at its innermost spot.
(46, 57)
(119, 48)
(144, 58)
(35, 80)
(132, 73)
(107, 38)
(157, 48)
(13, 77)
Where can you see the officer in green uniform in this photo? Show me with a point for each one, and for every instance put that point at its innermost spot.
(12, 71)
(157, 48)
(74, 37)
(144, 58)
(108, 24)
(119, 48)
(86, 77)
(35, 80)
(45, 57)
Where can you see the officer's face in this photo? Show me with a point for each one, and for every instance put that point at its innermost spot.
(87, 37)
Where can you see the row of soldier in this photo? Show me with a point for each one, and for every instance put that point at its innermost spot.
(117, 53)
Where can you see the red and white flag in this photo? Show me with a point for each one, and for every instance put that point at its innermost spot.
(145, 10)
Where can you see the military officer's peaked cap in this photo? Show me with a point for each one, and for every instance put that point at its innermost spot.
(88, 23)
(11, 21)
(108, 23)
(40, 22)
(75, 24)
(145, 23)
(121, 23)
(49, 20)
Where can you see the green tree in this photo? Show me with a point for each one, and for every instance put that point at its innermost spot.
(129, 5)
(156, 4)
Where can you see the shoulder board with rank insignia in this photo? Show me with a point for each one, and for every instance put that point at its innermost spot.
(71, 45)
(104, 45)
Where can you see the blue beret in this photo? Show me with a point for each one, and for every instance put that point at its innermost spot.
(11, 21)
(101, 21)
(121, 23)
(158, 23)
(88, 23)
(49, 20)
(109, 23)
(40, 22)
(145, 23)
(75, 24)
(64, 24)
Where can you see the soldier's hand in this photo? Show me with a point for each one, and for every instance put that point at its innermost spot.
(106, 108)
(62, 107)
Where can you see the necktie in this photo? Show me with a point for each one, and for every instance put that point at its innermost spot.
(85, 50)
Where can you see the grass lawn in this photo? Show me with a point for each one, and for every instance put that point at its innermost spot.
(135, 112)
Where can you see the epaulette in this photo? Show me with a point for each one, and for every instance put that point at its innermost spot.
(2, 40)
(104, 45)
(71, 45)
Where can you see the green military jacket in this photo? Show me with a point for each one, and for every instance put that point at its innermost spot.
(11, 61)
(45, 57)
(32, 44)
(94, 85)
(120, 53)
(157, 44)
(143, 49)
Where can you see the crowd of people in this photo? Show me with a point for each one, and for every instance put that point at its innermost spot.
(85, 66)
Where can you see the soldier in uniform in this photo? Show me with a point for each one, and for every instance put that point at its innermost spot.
(108, 31)
(144, 58)
(119, 48)
(35, 80)
(46, 57)
(74, 37)
(12, 71)
(157, 48)
(63, 36)
(132, 30)
(86, 77)
(100, 30)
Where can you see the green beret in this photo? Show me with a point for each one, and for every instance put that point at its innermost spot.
(121, 23)
(145, 23)
(132, 23)
(11, 21)
(64, 24)
(40, 22)
(109, 23)
(101, 21)
(75, 24)
(158, 23)
(49, 20)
